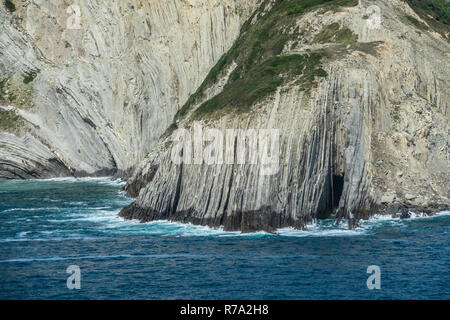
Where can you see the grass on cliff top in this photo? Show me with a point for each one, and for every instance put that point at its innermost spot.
(334, 33)
(435, 12)
(299, 7)
(256, 53)
(343, 40)
(9, 119)
(262, 80)
(10, 5)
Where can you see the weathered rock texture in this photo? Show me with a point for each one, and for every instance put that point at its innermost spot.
(370, 135)
(94, 100)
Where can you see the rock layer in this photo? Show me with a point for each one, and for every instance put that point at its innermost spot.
(94, 100)
(370, 136)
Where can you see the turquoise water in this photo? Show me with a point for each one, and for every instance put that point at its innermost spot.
(48, 225)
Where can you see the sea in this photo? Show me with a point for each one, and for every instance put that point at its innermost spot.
(63, 239)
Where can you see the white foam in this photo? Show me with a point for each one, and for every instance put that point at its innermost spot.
(23, 209)
(413, 216)
(178, 229)
(101, 180)
(126, 256)
(80, 238)
(315, 229)
(318, 232)
(23, 234)
(161, 228)
(106, 220)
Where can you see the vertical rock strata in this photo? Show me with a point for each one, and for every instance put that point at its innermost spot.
(362, 111)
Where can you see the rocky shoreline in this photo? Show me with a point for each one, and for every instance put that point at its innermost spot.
(362, 141)
(360, 106)
(263, 220)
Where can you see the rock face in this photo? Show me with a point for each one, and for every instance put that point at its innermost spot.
(92, 97)
(357, 94)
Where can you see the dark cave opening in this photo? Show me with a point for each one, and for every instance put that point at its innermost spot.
(338, 187)
(331, 197)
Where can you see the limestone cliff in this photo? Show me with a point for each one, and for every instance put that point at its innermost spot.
(87, 87)
(360, 97)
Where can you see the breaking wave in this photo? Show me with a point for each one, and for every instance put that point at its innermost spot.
(70, 219)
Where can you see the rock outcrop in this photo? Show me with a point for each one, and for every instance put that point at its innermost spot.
(91, 96)
(356, 91)
(360, 97)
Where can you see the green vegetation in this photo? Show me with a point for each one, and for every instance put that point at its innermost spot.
(170, 130)
(6, 95)
(29, 78)
(299, 7)
(260, 69)
(333, 33)
(9, 119)
(417, 23)
(395, 111)
(435, 12)
(342, 41)
(438, 9)
(327, 33)
(264, 79)
(2, 89)
(14, 92)
(10, 6)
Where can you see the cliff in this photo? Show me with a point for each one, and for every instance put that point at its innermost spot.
(356, 93)
(359, 96)
(88, 89)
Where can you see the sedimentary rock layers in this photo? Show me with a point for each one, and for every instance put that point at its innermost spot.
(354, 143)
(98, 91)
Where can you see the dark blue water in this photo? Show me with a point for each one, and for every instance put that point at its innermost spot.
(46, 226)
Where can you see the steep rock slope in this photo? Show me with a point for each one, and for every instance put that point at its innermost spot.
(360, 97)
(91, 97)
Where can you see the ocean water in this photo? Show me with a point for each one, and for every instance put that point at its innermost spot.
(48, 225)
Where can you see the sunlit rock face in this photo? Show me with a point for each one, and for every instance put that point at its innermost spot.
(357, 90)
(89, 89)
(361, 104)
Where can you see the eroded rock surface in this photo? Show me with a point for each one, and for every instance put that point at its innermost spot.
(94, 100)
(369, 101)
